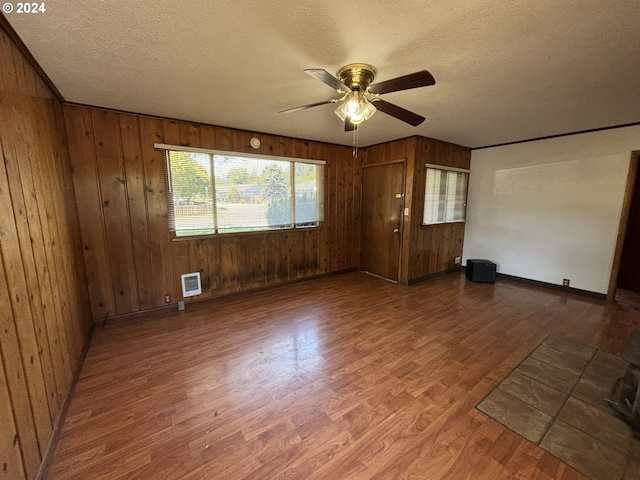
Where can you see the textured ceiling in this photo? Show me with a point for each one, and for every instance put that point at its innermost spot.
(505, 70)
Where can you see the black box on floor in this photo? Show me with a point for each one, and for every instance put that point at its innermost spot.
(481, 271)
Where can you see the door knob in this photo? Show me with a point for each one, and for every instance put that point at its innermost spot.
(395, 230)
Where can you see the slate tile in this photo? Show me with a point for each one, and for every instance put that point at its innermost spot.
(633, 471)
(598, 423)
(551, 375)
(594, 389)
(515, 414)
(588, 455)
(560, 359)
(569, 346)
(634, 449)
(537, 394)
(608, 365)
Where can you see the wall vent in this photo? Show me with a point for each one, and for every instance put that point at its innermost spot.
(191, 284)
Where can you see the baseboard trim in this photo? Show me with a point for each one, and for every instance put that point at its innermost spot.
(553, 286)
(413, 281)
(101, 322)
(47, 458)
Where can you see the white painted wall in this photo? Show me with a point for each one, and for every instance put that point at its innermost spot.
(550, 209)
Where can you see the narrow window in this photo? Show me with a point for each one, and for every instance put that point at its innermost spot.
(445, 195)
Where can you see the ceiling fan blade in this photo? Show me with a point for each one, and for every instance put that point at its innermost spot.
(406, 82)
(398, 112)
(349, 126)
(304, 107)
(328, 79)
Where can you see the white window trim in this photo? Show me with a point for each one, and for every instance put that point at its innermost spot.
(177, 148)
(452, 169)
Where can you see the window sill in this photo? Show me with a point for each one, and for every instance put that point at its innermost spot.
(441, 224)
(212, 236)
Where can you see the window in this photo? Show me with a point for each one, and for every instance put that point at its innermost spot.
(445, 195)
(213, 192)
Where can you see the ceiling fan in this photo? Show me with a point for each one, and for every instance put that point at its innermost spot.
(360, 99)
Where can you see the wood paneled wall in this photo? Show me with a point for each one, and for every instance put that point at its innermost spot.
(44, 309)
(426, 249)
(433, 248)
(132, 263)
(403, 149)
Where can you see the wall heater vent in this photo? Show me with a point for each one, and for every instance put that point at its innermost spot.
(191, 284)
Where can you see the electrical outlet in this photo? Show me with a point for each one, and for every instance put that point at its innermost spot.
(456, 260)
(167, 298)
(565, 282)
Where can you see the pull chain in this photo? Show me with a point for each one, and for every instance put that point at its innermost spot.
(355, 141)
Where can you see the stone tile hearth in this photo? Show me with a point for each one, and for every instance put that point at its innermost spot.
(555, 398)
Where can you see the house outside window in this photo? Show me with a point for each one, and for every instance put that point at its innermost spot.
(212, 192)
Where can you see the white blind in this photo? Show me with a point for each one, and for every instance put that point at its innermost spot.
(210, 193)
(445, 196)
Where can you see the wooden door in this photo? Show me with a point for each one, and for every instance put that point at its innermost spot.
(381, 231)
(629, 273)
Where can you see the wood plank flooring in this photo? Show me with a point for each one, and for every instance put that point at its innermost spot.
(343, 377)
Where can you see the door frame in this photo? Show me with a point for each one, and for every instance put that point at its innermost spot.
(624, 221)
(403, 161)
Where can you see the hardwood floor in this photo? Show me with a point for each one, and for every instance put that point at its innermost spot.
(342, 377)
(629, 298)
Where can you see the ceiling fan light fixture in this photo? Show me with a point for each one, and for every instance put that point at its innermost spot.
(357, 108)
(354, 82)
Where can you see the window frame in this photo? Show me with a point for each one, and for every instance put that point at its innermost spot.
(321, 199)
(444, 168)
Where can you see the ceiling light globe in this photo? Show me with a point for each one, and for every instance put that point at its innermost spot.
(367, 109)
(357, 118)
(353, 106)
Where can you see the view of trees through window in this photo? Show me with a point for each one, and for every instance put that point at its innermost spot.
(218, 193)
